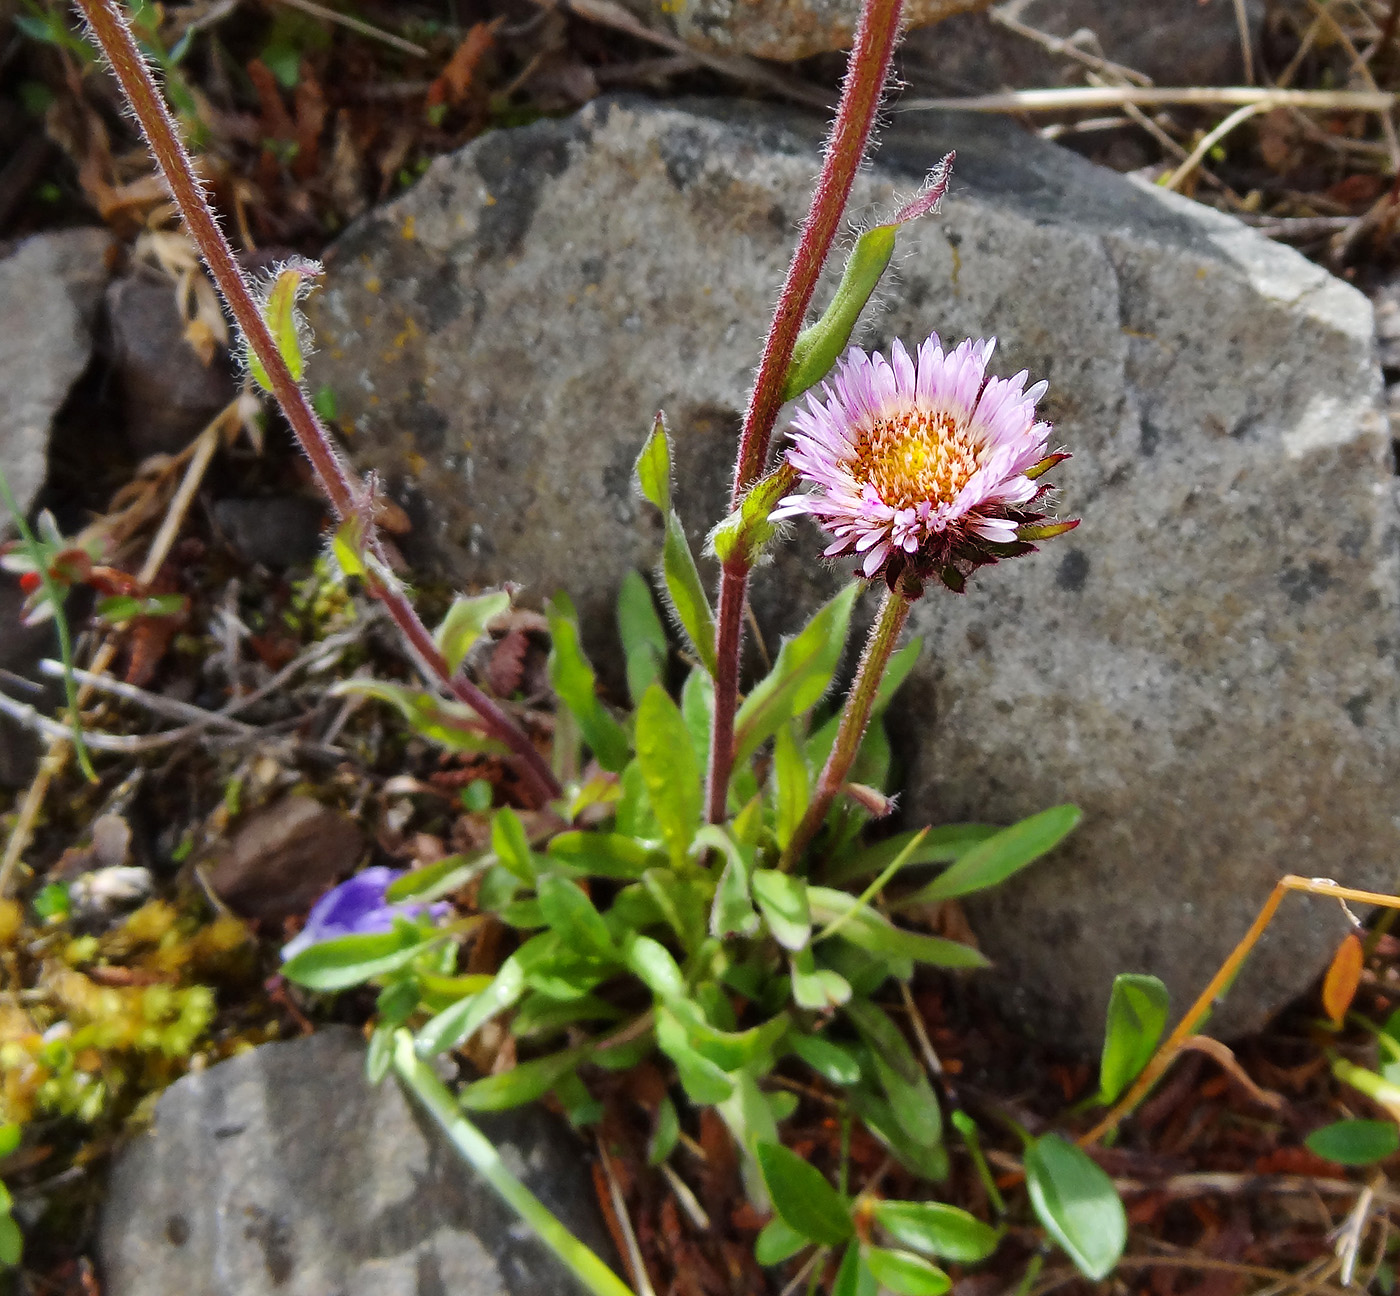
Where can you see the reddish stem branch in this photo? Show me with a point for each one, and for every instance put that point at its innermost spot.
(866, 71)
(346, 494)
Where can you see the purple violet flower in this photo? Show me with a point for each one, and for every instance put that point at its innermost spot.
(357, 907)
(923, 462)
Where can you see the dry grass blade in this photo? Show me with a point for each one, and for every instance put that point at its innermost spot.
(357, 25)
(1209, 140)
(1073, 98)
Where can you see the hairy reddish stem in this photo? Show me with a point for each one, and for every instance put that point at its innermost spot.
(855, 717)
(345, 492)
(869, 64)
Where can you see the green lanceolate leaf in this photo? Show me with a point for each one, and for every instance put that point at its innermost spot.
(666, 1134)
(448, 723)
(782, 900)
(800, 676)
(698, 708)
(835, 1064)
(997, 858)
(686, 592)
(353, 960)
(11, 1242)
(863, 926)
(455, 1025)
(1355, 1142)
(937, 1230)
(671, 771)
(911, 1096)
(521, 1084)
(815, 988)
(466, 622)
(613, 855)
(653, 467)
(571, 913)
(732, 912)
(820, 345)
(652, 963)
(284, 320)
(703, 1080)
(745, 533)
(1077, 1203)
(854, 1278)
(792, 784)
(905, 1273)
(449, 874)
(643, 636)
(940, 845)
(574, 682)
(1137, 1015)
(803, 1199)
(511, 845)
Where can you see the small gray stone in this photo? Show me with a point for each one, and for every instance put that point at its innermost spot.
(282, 1171)
(777, 29)
(168, 393)
(50, 287)
(1207, 666)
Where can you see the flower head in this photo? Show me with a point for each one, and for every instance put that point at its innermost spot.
(923, 465)
(357, 907)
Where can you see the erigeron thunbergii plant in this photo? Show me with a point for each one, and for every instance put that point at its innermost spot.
(697, 884)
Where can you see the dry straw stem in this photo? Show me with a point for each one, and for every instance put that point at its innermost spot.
(347, 495)
(357, 25)
(1073, 98)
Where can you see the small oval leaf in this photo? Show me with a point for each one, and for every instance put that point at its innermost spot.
(1077, 1203)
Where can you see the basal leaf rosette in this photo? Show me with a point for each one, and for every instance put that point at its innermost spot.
(924, 466)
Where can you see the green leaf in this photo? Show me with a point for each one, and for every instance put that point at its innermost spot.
(540, 1016)
(466, 622)
(672, 773)
(732, 912)
(803, 1199)
(800, 676)
(863, 926)
(777, 1242)
(511, 845)
(703, 1080)
(652, 963)
(455, 1025)
(911, 1096)
(643, 635)
(605, 854)
(853, 1278)
(653, 467)
(820, 345)
(10, 1136)
(938, 1230)
(449, 874)
(782, 900)
(521, 1084)
(571, 913)
(666, 1134)
(940, 845)
(1137, 1015)
(997, 858)
(877, 1117)
(745, 533)
(1076, 1202)
(11, 1242)
(1355, 1142)
(686, 592)
(817, 989)
(284, 320)
(351, 960)
(905, 1273)
(792, 784)
(573, 680)
(698, 708)
(833, 1063)
(684, 903)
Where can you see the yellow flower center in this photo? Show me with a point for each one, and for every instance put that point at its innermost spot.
(916, 455)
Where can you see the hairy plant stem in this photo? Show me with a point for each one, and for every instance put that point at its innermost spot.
(110, 30)
(855, 716)
(861, 90)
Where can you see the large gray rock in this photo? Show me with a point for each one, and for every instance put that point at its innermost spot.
(283, 1171)
(777, 29)
(50, 287)
(1206, 666)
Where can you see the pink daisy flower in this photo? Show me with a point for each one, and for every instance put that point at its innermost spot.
(923, 464)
